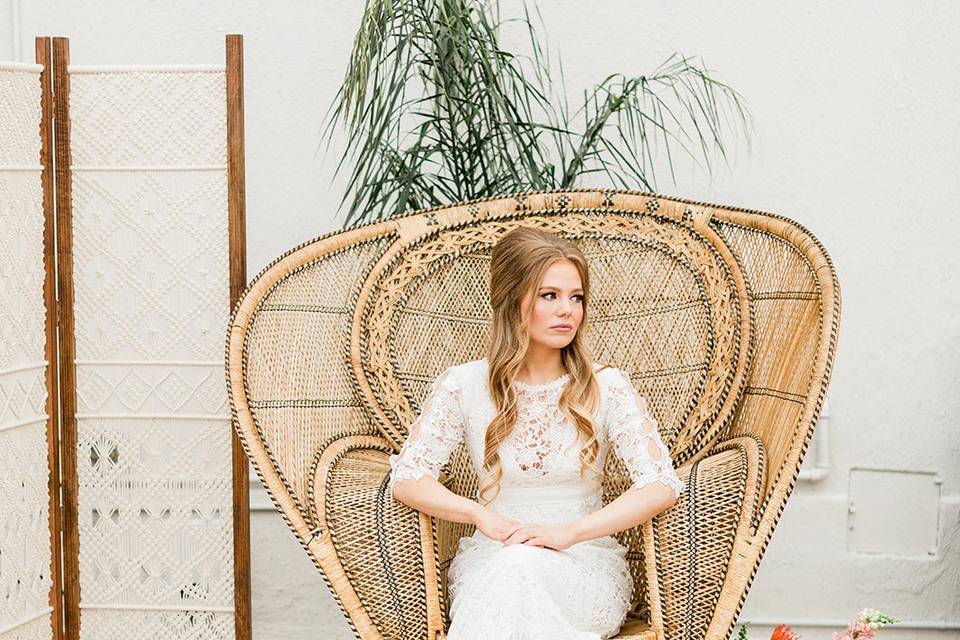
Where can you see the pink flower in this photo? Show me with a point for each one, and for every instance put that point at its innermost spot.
(858, 629)
(863, 627)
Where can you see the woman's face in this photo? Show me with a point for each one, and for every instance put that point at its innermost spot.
(559, 301)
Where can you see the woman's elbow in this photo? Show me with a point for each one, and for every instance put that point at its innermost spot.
(397, 491)
(669, 500)
(403, 491)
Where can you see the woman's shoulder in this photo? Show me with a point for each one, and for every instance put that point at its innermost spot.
(606, 373)
(464, 372)
(612, 381)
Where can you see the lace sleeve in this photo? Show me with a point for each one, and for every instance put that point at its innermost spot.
(433, 435)
(634, 434)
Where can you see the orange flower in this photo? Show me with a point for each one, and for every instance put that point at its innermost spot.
(783, 632)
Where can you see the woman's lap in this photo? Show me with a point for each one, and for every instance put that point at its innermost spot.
(520, 590)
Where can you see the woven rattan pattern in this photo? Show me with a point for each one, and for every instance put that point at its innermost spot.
(752, 239)
(431, 299)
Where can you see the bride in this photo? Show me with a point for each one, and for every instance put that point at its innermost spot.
(538, 418)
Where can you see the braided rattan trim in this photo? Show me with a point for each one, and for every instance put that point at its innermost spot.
(402, 265)
(683, 568)
(324, 542)
(792, 234)
(261, 441)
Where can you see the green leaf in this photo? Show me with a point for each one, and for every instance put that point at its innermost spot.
(437, 112)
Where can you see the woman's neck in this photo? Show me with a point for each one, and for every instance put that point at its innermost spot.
(541, 365)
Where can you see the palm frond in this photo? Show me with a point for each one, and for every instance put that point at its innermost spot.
(436, 111)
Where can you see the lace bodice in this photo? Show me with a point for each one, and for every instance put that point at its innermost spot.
(540, 459)
(583, 591)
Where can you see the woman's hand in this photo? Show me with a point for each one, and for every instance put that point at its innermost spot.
(537, 535)
(494, 525)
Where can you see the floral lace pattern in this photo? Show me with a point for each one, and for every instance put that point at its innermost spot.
(636, 439)
(582, 592)
(433, 435)
(536, 443)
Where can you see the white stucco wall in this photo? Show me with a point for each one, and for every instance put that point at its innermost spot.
(856, 137)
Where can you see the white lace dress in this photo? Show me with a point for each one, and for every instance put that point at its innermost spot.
(519, 591)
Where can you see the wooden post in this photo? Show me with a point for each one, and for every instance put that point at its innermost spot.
(236, 210)
(44, 57)
(66, 363)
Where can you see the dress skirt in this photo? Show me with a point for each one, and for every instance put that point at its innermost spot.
(524, 592)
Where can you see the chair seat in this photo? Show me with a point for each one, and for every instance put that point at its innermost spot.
(635, 629)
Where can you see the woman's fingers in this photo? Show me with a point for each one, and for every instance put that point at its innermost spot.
(538, 541)
(513, 531)
(515, 537)
(523, 534)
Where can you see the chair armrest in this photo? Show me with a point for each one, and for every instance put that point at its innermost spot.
(688, 548)
(377, 555)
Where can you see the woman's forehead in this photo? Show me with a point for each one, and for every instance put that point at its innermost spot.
(562, 274)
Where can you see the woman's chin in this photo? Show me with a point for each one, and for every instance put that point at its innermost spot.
(556, 341)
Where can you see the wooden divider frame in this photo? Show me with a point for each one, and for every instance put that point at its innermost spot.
(43, 57)
(68, 377)
(237, 211)
(56, 57)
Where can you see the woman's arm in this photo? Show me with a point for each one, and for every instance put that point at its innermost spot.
(633, 507)
(429, 496)
(655, 486)
(415, 470)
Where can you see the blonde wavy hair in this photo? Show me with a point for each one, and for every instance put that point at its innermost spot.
(518, 263)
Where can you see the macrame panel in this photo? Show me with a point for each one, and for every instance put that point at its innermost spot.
(25, 562)
(151, 283)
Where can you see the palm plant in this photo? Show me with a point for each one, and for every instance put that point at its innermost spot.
(436, 112)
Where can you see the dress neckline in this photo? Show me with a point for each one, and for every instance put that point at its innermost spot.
(543, 385)
(537, 387)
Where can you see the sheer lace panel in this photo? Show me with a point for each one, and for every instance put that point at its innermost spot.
(433, 435)
(634, 434)
(538, 438)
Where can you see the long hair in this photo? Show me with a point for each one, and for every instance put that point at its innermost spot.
(518, 263)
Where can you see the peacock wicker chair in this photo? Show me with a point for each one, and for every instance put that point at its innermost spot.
(725, 318)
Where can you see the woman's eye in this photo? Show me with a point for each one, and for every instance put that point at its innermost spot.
(578, 297)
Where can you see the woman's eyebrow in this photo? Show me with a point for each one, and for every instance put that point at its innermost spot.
(558, 289)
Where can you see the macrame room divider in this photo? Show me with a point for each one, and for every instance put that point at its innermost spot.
(122, 252)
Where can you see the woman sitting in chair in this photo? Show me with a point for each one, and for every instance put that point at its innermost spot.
(543, 562)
